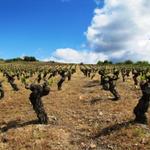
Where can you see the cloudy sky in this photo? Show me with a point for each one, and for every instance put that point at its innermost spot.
(75, 30)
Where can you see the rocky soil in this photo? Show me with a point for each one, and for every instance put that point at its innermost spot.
(81, 117)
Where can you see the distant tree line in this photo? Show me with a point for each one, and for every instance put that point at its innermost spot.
(28, 58)
(105, 62)
(1, 59)
(127, 62)
(25, 58)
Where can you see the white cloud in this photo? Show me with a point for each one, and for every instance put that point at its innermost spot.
(73, 56)
(118, 31)
(121, 30)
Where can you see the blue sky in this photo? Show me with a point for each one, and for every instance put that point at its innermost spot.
(75, 30)
(39, 27)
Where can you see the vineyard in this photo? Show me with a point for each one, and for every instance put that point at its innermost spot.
(86, 107)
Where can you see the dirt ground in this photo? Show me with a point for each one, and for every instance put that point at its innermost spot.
(81, 117)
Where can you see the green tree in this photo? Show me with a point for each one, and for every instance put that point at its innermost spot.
(142, 63)
(99, 62)
(106, 62)
(29, 58)
(128, 62)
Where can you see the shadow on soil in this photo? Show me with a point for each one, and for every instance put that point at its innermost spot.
(92, 84)
(108, 130)
(15, 124)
